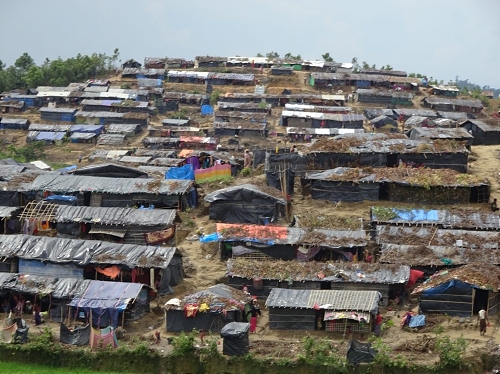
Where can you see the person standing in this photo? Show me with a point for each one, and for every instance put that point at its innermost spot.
(247, 157)
(482, 318)
(254, 311)
(378, 324)
(494, 205)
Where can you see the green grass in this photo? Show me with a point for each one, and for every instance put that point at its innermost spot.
(15, 368)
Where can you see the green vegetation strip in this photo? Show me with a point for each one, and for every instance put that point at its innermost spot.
(16, 368)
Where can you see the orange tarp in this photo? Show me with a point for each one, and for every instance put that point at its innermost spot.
(235, 231)
(185, 153)
(112, 271)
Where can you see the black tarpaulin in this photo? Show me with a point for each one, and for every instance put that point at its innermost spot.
(358, 353)
(78, 336)
(236, 342)
(21, 334)
(274, 179)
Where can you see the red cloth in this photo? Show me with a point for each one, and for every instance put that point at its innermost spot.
(414, 276)
(190, 310)
(378, 320)
(253, 324)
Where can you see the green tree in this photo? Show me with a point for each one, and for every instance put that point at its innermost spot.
(365, 65)
(259, 55)
(327, 57)
(24, 63)
(34, 77)
(273, 55)
(388, 67)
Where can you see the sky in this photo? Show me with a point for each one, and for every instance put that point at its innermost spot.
(439, 38)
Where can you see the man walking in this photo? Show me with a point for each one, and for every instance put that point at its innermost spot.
(482, 318)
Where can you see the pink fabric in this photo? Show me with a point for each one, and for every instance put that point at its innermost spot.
(253, 324)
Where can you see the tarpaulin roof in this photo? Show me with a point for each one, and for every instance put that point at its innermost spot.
(325, 299)
(115, 216)
(446, 218)
(482, 125)
(453, 115)
(46, 127)
(107, 295)
(87, 128)
(319, 271)
(58, 110)
(84, 252)
(6, 211)
(441, 133)
(111, 139)
(383, 121)
(262, 106)
(83, 135)
(374, 92)
(240, 125)
(481, 275)
(230, 192)
(59, 288)
(46, 135)
(290, 235)
(175, 122)
(122, 127)
(135, 159)
(77, 183)
(415, 112)
(14, 121)
(110, 170)
(318, 108)
(229, 297)
(256, 116)
(418, 121)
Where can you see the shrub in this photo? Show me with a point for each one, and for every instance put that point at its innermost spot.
(451, 352)
(183, 345)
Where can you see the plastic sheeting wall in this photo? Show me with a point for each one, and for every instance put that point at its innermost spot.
(176, 321)
(344, 191)
(49, 269)
(292, 319)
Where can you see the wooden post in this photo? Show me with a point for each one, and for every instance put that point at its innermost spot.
(123, 317)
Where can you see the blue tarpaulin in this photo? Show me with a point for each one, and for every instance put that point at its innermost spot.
(66, 169)
(412, 215)
(107, 299)
(51, 136)
(61, 198)
(207, 110)
(181, 172)
(214, 237)
(417, 321)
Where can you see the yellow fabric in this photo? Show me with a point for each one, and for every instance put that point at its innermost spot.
(204, 307)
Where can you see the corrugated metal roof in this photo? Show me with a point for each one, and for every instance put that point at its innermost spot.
(122, 128)
(75, 183)
(175, 122)
(320, 131)
(111, 139)
(14, 121)
(326, 299)
(440, 133)
(324, 116)
(225, 193)
(84, 252)
(115, 216)
(482, 125)
(142, 71)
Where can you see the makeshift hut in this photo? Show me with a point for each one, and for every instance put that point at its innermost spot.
(483, 133)
(8, 220)
(14, 123)
(404, 184)
(15, 182)
(318, 108)
(330, 310)
(452, 105)
(130, 226)
(128, 130)
(58, 114)
(386, 150)
(289, 243)
(49, 128)
(208, 310)
(245, 107)
(457, 134)
(371, 113)
(93, 259)
(462, 291)
(449, 219)
(371, 96)
(384, 122)
(321, 120)
(240, 129)
(281, 70)
(246, 203)
(111, 139)
(12, 106)
(118, 192)
(48, 137)
(261, 276)
(112, 304)
(83, 137)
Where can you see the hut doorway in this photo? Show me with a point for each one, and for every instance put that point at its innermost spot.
(480, 300)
